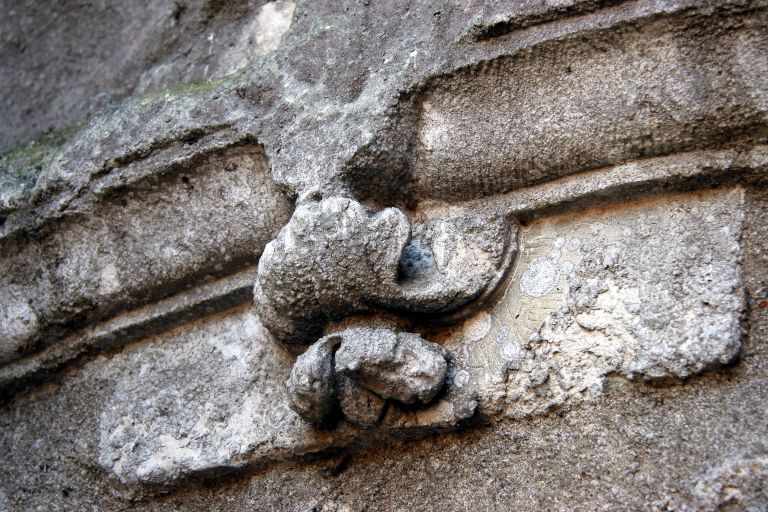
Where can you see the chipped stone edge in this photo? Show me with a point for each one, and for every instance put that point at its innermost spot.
(634, 180)
(207, 299)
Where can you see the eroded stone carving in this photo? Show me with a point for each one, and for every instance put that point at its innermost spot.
(403, 366)
(335, 258)
(312, 384)
(615, 293)
(522, 356)
(370, 365)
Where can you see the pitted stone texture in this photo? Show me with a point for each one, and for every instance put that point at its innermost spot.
(359, 406)
(335, 258)
(331, 257)
(210, 398)
(312, 384)
(323, 103)
(142, 242)
(458, 403)
(320, 105)
(666, 292)
(737, 484)
(402, 366)
(652, 290)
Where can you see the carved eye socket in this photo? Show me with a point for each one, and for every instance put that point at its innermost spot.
(416, 261)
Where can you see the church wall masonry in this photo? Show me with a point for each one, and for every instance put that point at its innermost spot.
(450, 256)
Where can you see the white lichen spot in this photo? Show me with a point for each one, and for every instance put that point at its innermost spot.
(461, 379)
(478, 327)
(540, 277)
(510, 351)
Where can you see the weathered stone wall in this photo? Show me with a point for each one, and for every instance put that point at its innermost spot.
(522, 247)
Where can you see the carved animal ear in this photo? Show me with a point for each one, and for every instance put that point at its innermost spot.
(336, 258)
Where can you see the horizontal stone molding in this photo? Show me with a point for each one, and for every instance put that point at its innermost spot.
(643, 178)
(585, 102)
(169, 231)
(131, 326)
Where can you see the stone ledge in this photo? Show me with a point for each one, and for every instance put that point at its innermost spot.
(140, 242)
(647, 290)
(603, 98)
(643, 178)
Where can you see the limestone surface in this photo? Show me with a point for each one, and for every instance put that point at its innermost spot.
(210, 398)
(567, 198)
(612, 292)
(335, 258)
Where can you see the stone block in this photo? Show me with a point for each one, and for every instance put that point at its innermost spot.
(163, 234)
(650, 290)
(589, 102)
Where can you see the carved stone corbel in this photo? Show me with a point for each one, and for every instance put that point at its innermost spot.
(337, 258)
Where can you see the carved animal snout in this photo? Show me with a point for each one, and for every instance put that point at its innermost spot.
(359, 369)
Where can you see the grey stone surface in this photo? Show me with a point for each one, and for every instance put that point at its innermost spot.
(209, 398)
(495, 368)
(496, 19)
(358, 368)
(331, 259)
(736, 484)
(619, 364)
(651, 176)
(157, 426)
(365, 106)
(402, 366)
(127, 48)
(335, 258)
(624, 451)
